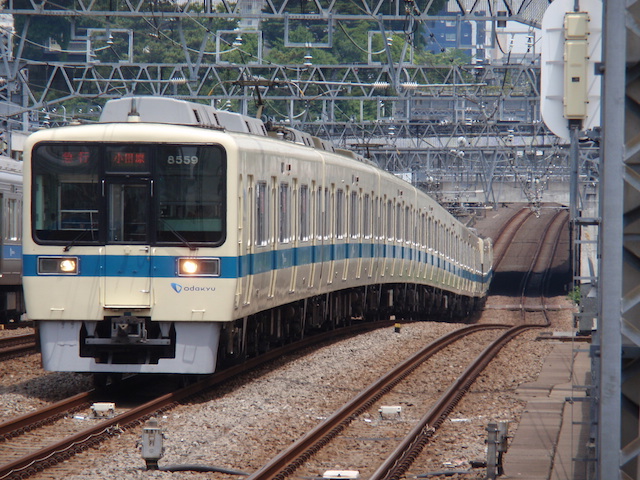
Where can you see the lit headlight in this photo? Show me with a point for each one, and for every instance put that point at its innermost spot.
(69, 265)
(199, 267)
(189, 266)
(58, 265)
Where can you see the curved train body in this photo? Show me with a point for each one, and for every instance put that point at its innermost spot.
(170, 236)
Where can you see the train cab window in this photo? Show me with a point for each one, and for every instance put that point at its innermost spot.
(66, 194)
(88, 193)
(190, 191)
(128, 209)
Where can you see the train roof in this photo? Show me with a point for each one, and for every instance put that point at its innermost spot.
(166, 110)
(10, 165)
(178, 112)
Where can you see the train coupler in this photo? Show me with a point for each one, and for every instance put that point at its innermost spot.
(128, 329)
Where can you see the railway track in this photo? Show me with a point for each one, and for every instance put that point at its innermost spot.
(507, 233)
(402, 457)
(16, 345)
(16, 325)
(37, 440)
(288, 461)
(24, 467)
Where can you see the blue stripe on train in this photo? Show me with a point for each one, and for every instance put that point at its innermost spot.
(252, 264)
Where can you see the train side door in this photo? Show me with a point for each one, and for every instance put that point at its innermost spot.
(127, 260)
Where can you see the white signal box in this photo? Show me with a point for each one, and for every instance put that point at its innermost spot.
(576, 60)
(571, 49)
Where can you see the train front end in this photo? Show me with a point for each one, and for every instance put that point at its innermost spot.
(127, 261)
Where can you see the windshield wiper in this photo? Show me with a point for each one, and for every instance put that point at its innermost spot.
(177, 234)
(76, 239)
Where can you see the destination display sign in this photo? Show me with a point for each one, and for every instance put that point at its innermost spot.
(127, 161)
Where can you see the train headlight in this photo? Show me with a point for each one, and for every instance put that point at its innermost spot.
(199, 267)
(189, 267)
(58, 265)
(69, 265)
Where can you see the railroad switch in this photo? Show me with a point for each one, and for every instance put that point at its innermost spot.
(152, 443)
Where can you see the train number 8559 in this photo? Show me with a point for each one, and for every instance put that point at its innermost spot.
(182, 159)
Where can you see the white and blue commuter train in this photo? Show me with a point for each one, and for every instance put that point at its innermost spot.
(11, 298)
(171, 236)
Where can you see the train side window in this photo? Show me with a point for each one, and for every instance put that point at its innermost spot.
(443, 241)
(390, 220)
(407, 225)
(262, 214)
(399, 222)
(284, 214)
(249, 209)
(382, 222)
(354, 221)
(319, 215)
(340, 224)
(304, 214)
(366, 216)
(327, 215)
(313, 215)
(375, 214)
(14, 220)
(455, 251)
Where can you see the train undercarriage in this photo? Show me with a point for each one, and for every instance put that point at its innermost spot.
(254, 335)
(257, 334)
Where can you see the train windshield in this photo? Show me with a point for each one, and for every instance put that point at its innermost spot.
(190, 194)
(84, 194)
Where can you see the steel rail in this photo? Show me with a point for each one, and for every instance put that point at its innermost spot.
(507, 233)
(18, 425)
(525, 283)
(12, 340)
(59, 451)
(17, 345)
(399, 461)
(287, 461)
(407, 451)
